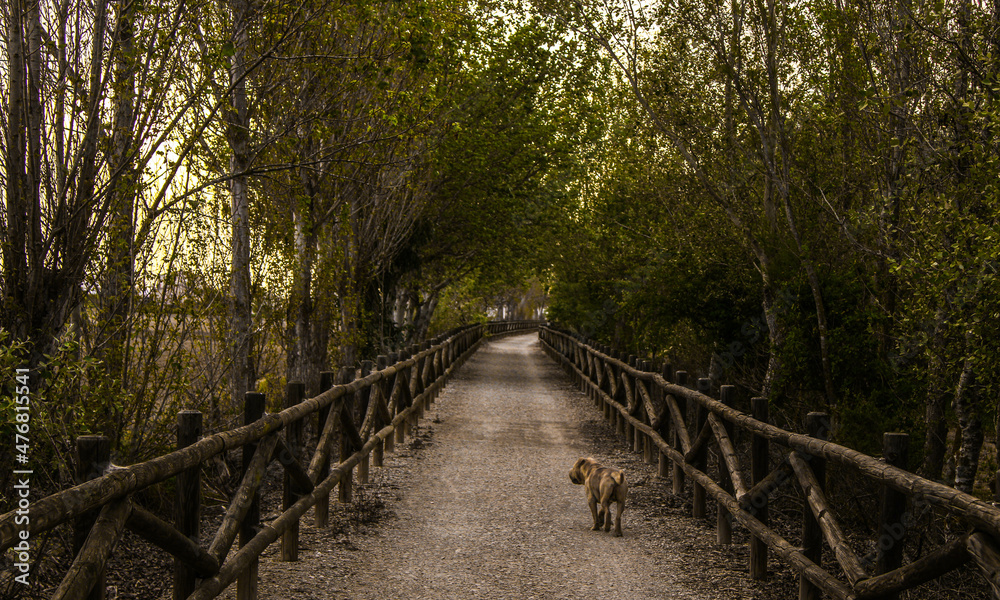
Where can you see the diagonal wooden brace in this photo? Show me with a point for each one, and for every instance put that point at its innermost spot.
(164, 535)
(93, 556)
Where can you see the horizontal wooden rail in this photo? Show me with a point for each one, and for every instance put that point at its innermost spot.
(411, 383)
(657, 412)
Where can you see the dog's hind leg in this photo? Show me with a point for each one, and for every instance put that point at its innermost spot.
(620, 496)
(618, 518)
(606, 515)
(592, 501)
(605, 512)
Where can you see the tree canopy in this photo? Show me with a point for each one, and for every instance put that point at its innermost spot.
(207, 198)
(800, 198)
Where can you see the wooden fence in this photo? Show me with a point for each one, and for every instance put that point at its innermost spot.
(651, 410)
(388, 402)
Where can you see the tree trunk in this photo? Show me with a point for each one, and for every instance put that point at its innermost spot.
(117, 288)
(115, 300)
(967, 392)
(422, 323)
(37, 280)
(238, 135)
(349, 311)
(935, 442)
(40, 294)
(16, 311)
(936, 437)
(970, 429)
(777, 155)
(773, 308)
(301, 358)
(399, 311)
(24, 275)
(319, 355)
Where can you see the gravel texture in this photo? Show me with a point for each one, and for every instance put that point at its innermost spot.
(478, 504)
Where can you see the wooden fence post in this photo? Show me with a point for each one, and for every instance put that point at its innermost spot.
(608, 383)
(430, 388)
(680, 378)
(246, 585)
(450, 355)
(996, 500)
(321, 512)
(382, 362)
(759, 449)
(630, 432)
(620, 398)
(996, 488)
(637, 436)
(648, 448)
(390, 441)
(892, 528)
(417, 384)
(398, 436)
(93, 458)
(591, 365)
(294, 393)
(187, 509)
(440, 367)
(426, 379)
(817, 426)
(663, 462)
(363, 397)
(723, 520)
(346, 486)
(699, 504)
(433, 385)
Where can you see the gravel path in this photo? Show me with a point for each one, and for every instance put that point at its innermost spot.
(493, 513)
(480, 505)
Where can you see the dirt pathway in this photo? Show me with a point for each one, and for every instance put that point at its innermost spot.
(493, 513)
(483, 507)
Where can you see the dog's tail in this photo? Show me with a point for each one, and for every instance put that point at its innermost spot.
(618, 476)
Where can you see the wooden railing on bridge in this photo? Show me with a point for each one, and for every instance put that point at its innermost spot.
(388, 401)
(650, 410)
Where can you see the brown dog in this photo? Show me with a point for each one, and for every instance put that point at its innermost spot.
(604, 485)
